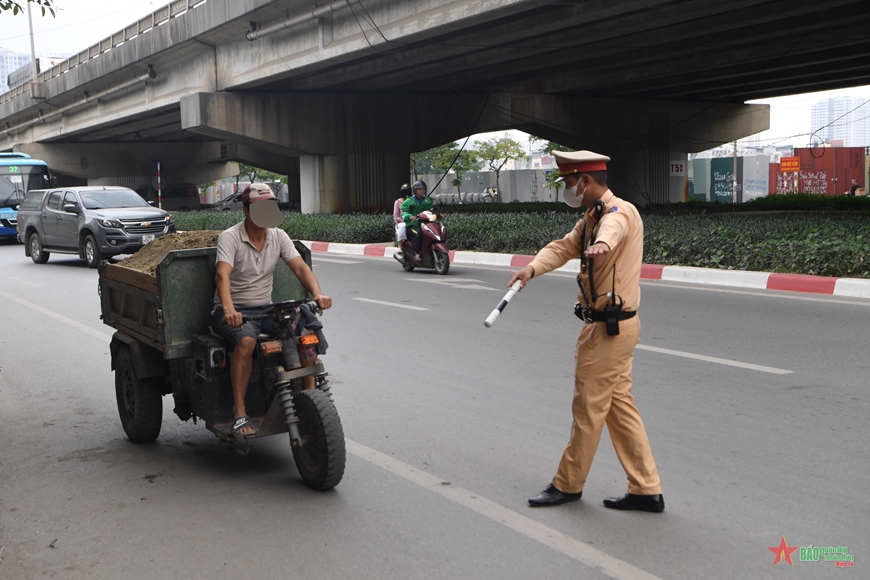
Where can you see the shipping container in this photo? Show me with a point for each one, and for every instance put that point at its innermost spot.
(823, 171)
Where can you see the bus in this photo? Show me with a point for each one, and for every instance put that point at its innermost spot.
(18, 175)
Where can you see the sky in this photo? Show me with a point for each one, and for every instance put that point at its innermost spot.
(82, 23)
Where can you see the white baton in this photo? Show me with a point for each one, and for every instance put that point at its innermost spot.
(504, 302)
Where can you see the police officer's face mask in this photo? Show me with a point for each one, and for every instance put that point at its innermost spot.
(569, 195)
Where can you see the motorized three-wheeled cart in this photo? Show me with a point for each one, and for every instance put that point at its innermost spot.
(163, 345)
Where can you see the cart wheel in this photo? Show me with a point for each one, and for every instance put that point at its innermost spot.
(441, 261)
(140, 403)
(37, 253)
(321, 458)
(93, 255)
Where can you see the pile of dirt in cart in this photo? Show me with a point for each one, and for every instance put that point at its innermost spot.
(146, 259)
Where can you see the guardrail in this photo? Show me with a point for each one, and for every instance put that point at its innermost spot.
(153, 20)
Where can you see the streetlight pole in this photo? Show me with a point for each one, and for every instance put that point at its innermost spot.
(734, 175)
(32, 46)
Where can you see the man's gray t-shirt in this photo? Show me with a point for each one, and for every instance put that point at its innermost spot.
(251, 278)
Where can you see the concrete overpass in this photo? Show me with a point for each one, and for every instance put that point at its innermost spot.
(339, 95)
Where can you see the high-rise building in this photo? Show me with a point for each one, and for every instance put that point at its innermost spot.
(845, 119)
(10, 61)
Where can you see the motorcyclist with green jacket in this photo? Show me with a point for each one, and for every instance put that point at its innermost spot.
(411, 208)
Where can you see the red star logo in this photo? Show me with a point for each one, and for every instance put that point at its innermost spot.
(783, 552)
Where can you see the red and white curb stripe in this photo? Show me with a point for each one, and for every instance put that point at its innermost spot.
(850, 287)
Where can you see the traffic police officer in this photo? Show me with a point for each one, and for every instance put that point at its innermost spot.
(609, 241)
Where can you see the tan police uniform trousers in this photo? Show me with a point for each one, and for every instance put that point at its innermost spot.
(602, 394)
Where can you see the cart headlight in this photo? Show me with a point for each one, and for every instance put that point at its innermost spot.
(110, 223)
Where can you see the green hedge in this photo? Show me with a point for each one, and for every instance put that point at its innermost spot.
(809, 243)
(345, 228)
(804, 244)
(783, 202)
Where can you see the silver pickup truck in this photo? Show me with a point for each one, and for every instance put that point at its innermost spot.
(94, 223)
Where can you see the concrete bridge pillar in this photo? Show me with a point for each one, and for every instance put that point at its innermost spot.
(352, 182)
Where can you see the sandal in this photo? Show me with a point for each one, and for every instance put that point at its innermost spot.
(243, 423)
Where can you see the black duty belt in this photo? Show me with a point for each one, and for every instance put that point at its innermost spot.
(588, 315)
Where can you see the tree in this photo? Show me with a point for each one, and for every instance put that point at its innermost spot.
(430, 161)
(468, 160)
(15, 7)
(498, 151)
(255, 174)
(442, 159)
(548, 148)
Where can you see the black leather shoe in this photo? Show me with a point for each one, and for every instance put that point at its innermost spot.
(630, 501)
(552, 496)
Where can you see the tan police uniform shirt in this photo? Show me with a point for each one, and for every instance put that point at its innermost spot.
(621, 228)
(251, 278)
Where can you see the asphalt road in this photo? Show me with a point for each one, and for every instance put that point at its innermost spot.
(450, 428)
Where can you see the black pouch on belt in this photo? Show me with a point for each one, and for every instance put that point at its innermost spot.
(611, 318)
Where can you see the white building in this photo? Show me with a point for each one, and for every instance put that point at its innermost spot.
(845, 119)
(542, 161)
(10, 61)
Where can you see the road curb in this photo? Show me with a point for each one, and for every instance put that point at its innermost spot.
(849, 287)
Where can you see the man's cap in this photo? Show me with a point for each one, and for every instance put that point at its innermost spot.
(580, 162)
(257, 192)
(265, 215)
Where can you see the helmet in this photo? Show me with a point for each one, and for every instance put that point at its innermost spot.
(405, 191)
(419, 184)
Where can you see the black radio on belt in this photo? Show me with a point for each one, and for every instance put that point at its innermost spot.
(611, 318)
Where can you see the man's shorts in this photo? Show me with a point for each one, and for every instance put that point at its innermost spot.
(252, 328)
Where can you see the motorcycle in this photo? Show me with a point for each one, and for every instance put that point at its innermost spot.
(434, 253)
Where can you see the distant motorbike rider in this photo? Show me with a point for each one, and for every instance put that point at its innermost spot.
(411, 208)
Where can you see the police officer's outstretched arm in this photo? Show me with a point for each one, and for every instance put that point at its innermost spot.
(309, 281)
(554, 255)
(614, 227)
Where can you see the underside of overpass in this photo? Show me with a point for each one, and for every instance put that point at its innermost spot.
(342, 98)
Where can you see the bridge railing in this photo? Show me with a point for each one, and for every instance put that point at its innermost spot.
(153, 20)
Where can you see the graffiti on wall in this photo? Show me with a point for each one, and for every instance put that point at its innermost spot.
(808, 182)
(723, 185)
(753, 188)
(813, 182)
(785, 182)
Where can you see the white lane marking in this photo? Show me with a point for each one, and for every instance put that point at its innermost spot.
(390, 304)
(499, 514)
(60, 317)
(827, 298)
(712, 359)
(335, 261)
(452, 282)
(776, 294)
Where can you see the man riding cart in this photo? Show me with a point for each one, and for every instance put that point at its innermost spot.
(240, 355)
